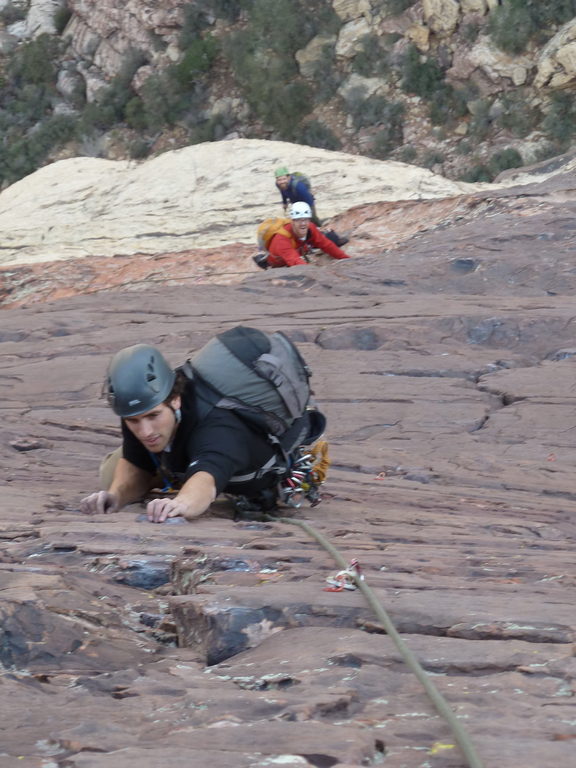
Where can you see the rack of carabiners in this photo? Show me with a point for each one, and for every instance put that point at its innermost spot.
(307, 473)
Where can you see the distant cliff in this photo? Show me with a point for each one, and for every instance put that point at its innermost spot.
(466, 87)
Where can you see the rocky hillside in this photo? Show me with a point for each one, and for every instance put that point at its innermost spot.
(466, 87)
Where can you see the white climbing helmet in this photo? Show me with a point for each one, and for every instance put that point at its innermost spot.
(300, 211)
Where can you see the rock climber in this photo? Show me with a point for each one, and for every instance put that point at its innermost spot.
(295, 188)
(173, 440)
(294, 240)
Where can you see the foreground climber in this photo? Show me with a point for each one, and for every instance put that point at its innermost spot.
(288, 242)
(181, 431)
(295, 188)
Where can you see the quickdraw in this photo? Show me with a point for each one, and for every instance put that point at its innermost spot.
(307, 473)
(346, 578)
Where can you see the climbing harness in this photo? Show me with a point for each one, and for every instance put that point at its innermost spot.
(443, 708)
(307, 470)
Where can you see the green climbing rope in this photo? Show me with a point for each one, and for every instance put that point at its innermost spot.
(461, 736)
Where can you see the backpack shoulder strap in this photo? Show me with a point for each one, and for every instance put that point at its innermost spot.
(205, 396)
(300, 177)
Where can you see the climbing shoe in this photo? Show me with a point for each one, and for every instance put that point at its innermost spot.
(261, 260)
(336, 239)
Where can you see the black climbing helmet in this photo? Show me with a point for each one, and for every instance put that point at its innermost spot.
(139, 379)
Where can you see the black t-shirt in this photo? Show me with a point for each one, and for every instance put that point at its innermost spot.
(221, 444)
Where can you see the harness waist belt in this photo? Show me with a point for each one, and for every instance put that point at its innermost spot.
(258, 473)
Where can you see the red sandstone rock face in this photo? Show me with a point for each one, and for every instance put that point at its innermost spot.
(444, 357)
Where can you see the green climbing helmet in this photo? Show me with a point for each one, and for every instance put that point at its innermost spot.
(282, 171)
(138, 379)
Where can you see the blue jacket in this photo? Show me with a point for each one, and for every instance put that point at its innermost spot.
(297, 192)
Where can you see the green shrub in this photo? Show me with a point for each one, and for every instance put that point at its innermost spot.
(470, 31)
(396, 7)
(516, 22)
(213, 129)
(279, 25)
(518, 116)
(544, 14)
(163, 101)
(62, 16)
(546, 151)
(194, 23)
(477, 172)
(500, 161)
(326, 77)
(371, 59)
(28, 131)
(424, 77)
(407, 154)
(12, 13)
(511, 28)
(109, 108)
(285, 106)
(98, 116)
(391, 135)
(367, 111)
(447, 104)
(229, 9)
(33, 62)
(386, 141)
(197, 59)
(370, 111)
(316, 134)
(135, 114)
(464, 147)
(31, 105)
(319, 17)
(262, 58)
(23, 155)
(505, 159)
(269, 82)
(139, 149)
(479, 126)
(53, 132)
(431, 158)
(420, 75)
(164, 98)
(559, 124)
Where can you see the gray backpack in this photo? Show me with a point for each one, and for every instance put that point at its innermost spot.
(264, 379)
(261, 375)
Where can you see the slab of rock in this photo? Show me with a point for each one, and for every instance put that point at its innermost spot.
(202, 196)
(442, 357)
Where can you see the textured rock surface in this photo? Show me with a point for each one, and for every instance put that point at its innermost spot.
(205, 195)
(556, 65)
(444, 357)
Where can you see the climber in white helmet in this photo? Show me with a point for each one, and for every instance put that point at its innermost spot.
(286, 244)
